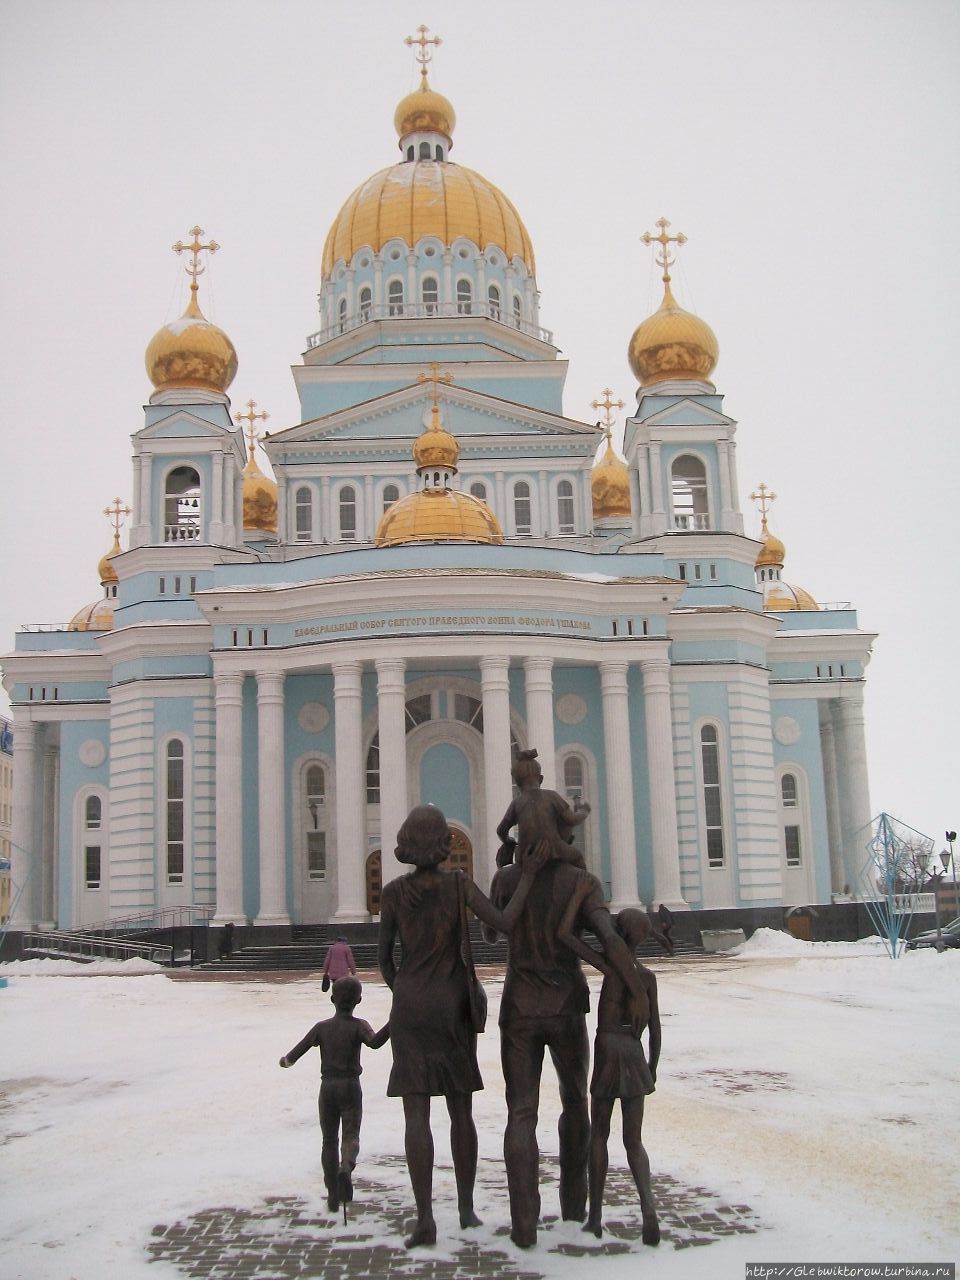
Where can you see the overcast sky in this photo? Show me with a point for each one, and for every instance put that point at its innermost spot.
(807, 149)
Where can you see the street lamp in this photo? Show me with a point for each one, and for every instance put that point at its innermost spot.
(951, 836)
(923, 862)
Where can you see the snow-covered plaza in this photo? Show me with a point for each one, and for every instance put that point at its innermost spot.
(807, 1093)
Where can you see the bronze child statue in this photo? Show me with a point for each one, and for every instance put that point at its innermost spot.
(341, 1100)
(540, 816)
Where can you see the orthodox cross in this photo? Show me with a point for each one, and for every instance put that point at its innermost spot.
(763, 497)
(422, 57)
(193, 268)
(608, 406)
(250, 418)
(116, 514)
(435, 376)
(663, 257)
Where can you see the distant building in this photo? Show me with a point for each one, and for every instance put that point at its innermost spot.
(446, 567)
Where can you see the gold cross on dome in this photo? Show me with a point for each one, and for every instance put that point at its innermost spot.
(252, 434)
(195, 248)
(608, 406)
(436, 377)
(115, 513)
(663, 257)
(763, 497)
(423, 40)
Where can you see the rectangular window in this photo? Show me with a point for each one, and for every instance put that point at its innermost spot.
(176, 586)
(713, 573)
(683, 573)
(264, 635)
(193, 584)
(696, 572)
(614, 624)
(175, 812)
(712, 805)
(316, 855)
(91, 866)
(163, 586)
(791, 840)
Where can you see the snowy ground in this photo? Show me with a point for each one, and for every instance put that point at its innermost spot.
(815, 1083)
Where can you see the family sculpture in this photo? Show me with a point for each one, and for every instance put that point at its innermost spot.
(544, 899)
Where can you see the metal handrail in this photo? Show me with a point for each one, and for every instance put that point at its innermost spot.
(82, 946)
(476, 307)
(162, 918)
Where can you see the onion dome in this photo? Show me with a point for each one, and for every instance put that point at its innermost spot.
(108, 574)
(98, 616)
(437, 513)
(425, 111)
(191, 352)
(778, 596)
(259, 499)
(672, 344)
(610, 484)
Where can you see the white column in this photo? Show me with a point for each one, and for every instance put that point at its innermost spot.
(446, 297)
(854, 792)
(282, 517)
(377, 284)
(497, 783)
(24, 850)
(326, 515)
(272, 789)
(663, 788)
(391, 713)
(734, 487)
(538, 679)
(411, 298)
(659, 517)
(620, 814)
(500, 510)
(828, 749)
(228, 693)
(543, 499)
(369, 526)
(49, 843)
(481, 265)
(351, 825)
(588, 498)
(726, 509)
(645, 513)
(216, 505)
(146, 505)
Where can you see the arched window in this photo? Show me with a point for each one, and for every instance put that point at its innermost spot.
(424, 150)
(517, 310)
(174, 797)
(493, 297)
(348, 513)
(395, 298)
(315, 786)
(712, 801)
(181, 506)
(366, 303)
(565, 512)
(391, 494)
(575, 791)
(689, 492)
(439, 152)
(303, 508)
(790, 803)
(373, 771)
(92, 847)
(521, 508)
(410, 152)
(342, 314)
(431, 295)
(479, 490)
(464, 297)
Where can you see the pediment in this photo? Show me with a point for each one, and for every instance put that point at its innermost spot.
(687, 412)
(177, 423)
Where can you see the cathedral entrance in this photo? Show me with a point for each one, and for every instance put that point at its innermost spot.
(460, 859)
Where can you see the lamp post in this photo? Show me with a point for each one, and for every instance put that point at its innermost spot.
(923, 862)
(951, 836)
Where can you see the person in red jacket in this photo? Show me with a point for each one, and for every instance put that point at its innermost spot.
(338, 961)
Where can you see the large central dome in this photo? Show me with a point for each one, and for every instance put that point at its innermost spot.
(418, 198)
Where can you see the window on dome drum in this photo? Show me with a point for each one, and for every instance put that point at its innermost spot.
(574, 788)
(424, 150)
(493, 298)
(468, 710)
(464, 297)
(93, 811)
(438, 152)
(788, 791)
(348, 513)
(395, 298)
(303, 507)
(431, 295)
(181, 506)
(521, 508)
(689, 493)
(479, 490)
(565, 513)
(410, 152)
(342, 314)
(314, 817)
(174, 807)
(366, 303)
(712, 804)
(419, 710)
(517, 310)
(391, 494)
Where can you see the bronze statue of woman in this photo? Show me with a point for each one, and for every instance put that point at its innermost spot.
(431, 1032)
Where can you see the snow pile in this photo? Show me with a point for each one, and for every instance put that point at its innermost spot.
(777, 942)
(47, 968)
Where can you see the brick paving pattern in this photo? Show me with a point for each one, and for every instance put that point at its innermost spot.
(287, 1238)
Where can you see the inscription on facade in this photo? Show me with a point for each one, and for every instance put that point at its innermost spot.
(441, 620)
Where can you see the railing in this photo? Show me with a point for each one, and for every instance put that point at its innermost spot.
(162, 918)
(692, 522)
(62, 945)
(181, 533)
(427, 311)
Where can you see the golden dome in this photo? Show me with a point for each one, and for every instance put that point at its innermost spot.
(782, 597)
(419, 198)
(425, 111)
(778, 596)
(259, 499)
(438, 515)
(672, 343)
(191, 352)
(436, 447)
(610, 484)
(772, 552)
(93, 617)
(108, 574)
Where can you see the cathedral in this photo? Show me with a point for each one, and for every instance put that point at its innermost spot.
(434, 568)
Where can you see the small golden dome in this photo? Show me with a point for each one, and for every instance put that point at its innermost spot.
(438, 515)
(93, 617)
(672, 343)
(610, 484)
(778, 596)
(259, 499)
(436, 447)
(191, 352)
(425, 111)
(420, 198)
(782, 598)
(772, 552)
(108, 574)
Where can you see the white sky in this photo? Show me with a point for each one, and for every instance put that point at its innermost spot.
(137, 1101)
(807, 149)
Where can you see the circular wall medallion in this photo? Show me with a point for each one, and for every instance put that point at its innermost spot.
(571, 708)
(786, 731)
(92, 753)
(313, 718)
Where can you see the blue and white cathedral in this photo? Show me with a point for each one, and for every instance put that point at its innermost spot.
(445, 568)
